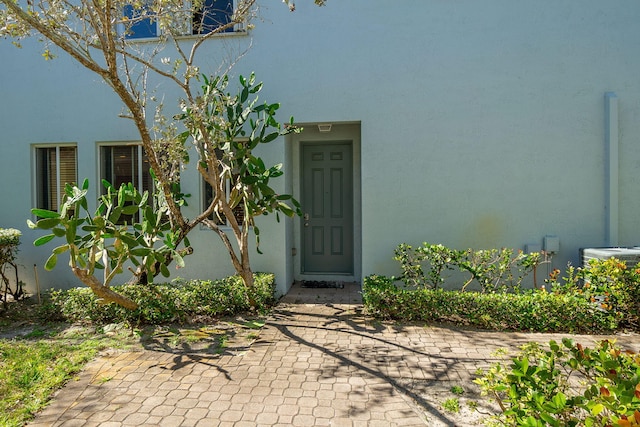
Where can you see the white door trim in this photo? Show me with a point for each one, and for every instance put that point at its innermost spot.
(293, 162)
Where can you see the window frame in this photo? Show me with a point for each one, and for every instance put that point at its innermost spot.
(188, 27)
(143, 21)
(206, 200)
(139, 175)
(38, 178)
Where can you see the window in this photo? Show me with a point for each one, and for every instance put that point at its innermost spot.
(123, 164)
(55, 167)
(213, 14)
(207, 197)
(140, 27)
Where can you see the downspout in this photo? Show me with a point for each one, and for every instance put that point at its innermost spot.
(612, 164)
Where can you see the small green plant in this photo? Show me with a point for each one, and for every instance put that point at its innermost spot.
(452, 405)
(105, 379)
(456, 389)
(566, 385)
(222, 342)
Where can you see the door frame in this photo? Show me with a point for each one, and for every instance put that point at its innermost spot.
(340, 132)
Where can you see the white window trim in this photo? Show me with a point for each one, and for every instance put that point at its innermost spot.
(239, 29)
(99, 158)
(34, 160)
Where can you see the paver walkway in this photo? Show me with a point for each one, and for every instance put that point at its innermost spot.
(314, 364)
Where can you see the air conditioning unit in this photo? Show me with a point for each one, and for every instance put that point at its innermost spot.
(629, 255)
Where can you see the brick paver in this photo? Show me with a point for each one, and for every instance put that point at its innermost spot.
(314, 364)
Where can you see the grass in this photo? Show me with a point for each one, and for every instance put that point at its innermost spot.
(37, 358)
(34, 366)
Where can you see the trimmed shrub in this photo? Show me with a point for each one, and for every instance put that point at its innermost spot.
(530, 310)
(179, 302)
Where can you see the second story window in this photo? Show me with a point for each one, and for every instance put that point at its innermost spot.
(214, 14)
(142, 24)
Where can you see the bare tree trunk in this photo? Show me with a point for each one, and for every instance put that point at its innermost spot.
(102, 291)
(247, 278)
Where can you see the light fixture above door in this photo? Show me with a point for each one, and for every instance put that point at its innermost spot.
(324, 127)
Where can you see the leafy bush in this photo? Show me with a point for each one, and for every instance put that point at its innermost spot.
(163, 303)
(492, 269)
(9, 242)
(567, 385)
(532, 310)
(610, 285)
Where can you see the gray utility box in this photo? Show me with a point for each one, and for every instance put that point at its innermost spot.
(630, 255)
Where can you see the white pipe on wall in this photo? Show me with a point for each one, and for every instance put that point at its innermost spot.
(612, 169)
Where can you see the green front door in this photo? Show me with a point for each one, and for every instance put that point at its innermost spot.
(327, 204)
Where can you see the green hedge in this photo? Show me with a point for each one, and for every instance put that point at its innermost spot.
(538, 311)
(162, 303)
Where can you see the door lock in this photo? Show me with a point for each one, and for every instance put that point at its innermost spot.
(306, 217)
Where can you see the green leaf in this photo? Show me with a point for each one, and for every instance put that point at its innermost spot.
(254, 324)
(115, 214)
(548, 418)
(270, 137)
(285, 209)
(51, 262)
(143, 201)
(70, 233)
(256, 88)
(59, 232)
(560, 401)
(44, 239)
(129, 241)
(599, 407)
(130, 210)
(140, 251)
(61, 249)
(179, 260)
(43, 213)
(107, 185)
(164, 270)
(48, 223)
(121, 195)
